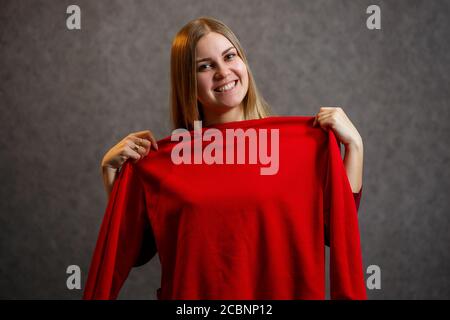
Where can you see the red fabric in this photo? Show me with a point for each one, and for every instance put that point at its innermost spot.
(227, 232)
(357, 198)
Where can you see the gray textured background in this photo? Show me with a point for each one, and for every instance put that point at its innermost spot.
(67, 96)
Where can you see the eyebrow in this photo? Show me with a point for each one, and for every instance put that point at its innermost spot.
(206, 59)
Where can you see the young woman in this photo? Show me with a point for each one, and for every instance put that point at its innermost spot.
(221, 61)
(211, 232)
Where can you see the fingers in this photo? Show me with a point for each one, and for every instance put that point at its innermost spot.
(132, 150)
(329, 108)
(140, 145)
(324, 120)
(137, 145)
(145, 139)
(324, 113)
(147, 134)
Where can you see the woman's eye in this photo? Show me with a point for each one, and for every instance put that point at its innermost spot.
(203, 67)
(231, 54)
(206, 66)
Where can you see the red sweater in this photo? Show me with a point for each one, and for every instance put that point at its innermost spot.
(225, 231)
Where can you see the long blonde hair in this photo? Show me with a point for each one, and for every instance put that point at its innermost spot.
(183, 75)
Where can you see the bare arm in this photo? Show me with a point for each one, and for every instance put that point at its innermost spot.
(353, 162)
(334, 118)
(109, 176)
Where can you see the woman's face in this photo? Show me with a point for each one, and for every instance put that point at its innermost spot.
(219, 64)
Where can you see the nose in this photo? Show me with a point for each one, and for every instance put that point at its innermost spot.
(222, 71)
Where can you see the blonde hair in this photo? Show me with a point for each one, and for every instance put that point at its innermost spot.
(183, 76)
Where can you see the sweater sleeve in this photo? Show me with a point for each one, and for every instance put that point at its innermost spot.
(124, 229)
(341, 226)
(357, 198)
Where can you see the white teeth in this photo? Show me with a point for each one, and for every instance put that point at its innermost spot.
(227, 87)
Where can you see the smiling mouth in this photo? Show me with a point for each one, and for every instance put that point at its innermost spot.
(230, 86)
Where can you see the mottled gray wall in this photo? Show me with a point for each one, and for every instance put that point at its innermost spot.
(67, 96)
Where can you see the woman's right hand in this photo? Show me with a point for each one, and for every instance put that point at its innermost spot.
(134, 146)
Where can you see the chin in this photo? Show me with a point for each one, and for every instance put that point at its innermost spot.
(232, 103)
(228, 106)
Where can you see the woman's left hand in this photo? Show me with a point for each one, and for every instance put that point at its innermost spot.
(334, 118)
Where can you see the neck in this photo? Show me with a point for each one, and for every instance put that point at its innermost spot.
(229, 115)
